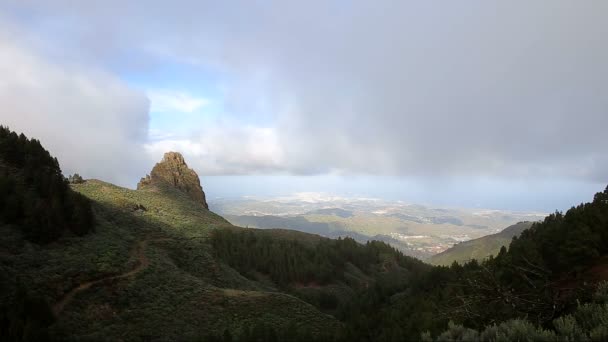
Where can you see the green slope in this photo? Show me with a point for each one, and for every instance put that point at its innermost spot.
(147, 269)
(153, 273)
(480, 248)
(149, 272)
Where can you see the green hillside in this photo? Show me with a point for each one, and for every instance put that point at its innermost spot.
(480, 248)
(182, 292)
(146, 272)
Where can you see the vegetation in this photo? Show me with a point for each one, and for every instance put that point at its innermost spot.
(183, 292)
(589, 322)
(544, 274)
(36, 200)
(415, 230)
(25, 318)
(34, 195)
(75, 179)
(290, 261)
(479, 248)
(161, 267)
(531, 287)
(538, 280)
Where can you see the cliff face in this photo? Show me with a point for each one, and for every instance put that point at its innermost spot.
(174, 171)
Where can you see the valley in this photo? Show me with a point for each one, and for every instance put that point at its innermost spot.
(416, 230)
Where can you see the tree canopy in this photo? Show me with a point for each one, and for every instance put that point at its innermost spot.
(34, 195)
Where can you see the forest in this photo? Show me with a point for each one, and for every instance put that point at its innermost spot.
(288, 261)
(542, 284)
(36, 199)
(34, 194)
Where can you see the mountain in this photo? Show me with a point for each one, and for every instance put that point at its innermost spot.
(154, 264)
(173, 171)
(144, 270)
(150, 265)
(480, 248)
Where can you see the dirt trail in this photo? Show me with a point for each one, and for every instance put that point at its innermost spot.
(142, 264)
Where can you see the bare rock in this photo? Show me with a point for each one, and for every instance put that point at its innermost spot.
(174, 171)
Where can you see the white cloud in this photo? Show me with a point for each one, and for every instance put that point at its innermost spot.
(226, 149)
(171, 101)
(91, 121)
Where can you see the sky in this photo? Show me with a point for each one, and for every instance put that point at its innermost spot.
(494, 104)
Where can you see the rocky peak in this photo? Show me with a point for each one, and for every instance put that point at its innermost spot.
(174, 157)
(174, 171)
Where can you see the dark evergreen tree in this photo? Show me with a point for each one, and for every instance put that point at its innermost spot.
(34, 195)
(75, 179)
(25, 317)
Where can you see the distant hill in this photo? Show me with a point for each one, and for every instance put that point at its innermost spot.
(332, 211)
(480, 248)
(330, 229)
(415, 230)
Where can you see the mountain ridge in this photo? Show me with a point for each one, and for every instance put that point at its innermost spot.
(479, 248)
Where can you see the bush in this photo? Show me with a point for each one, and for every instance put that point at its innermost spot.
(588, 323)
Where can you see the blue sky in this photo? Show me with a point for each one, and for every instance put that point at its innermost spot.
(476, 103)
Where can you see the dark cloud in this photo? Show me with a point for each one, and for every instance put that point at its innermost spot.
(498, 89)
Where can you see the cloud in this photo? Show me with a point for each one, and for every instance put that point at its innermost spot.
(170, 101)
(226, 150)
(91, 121)
(475, 88)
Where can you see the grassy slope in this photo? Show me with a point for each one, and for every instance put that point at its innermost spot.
(184, 292)
(479, 248)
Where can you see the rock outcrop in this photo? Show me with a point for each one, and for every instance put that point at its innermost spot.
(174, 171)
